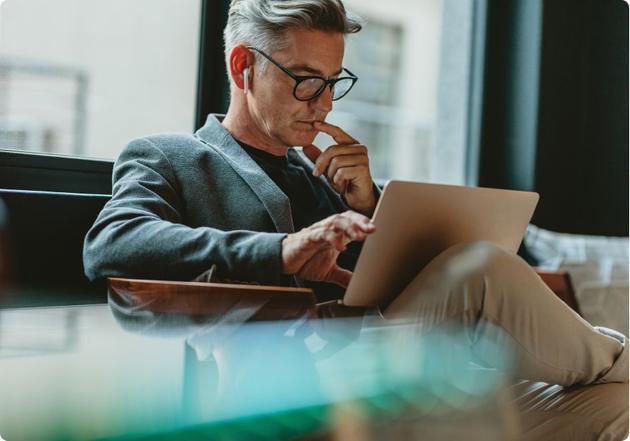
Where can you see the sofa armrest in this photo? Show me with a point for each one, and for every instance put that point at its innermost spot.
(560, 283)
(197, 298)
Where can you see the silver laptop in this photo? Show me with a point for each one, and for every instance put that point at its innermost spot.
(415, 222)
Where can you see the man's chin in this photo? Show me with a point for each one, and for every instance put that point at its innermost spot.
(302, 137)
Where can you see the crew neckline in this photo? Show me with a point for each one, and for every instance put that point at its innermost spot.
(267, 157)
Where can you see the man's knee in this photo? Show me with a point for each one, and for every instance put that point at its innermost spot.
(475, 259)
(457, 278)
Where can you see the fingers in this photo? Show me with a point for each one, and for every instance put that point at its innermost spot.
(349, 221)
(323, 237)
(343, 161)
(337, 133)
(357, 151)
(353, 225)
(340, 229)
(337, 231)
(313, 251)
(346, 175)
(329, 161)
(339, 276)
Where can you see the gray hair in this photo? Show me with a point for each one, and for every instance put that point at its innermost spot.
(263, 23)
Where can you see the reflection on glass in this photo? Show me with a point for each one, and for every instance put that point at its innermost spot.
(133, 370)
(278, 374)
(25, 333)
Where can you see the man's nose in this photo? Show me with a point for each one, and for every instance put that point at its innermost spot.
(323, 102)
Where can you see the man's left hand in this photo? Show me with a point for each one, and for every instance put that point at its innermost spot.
(346, 167)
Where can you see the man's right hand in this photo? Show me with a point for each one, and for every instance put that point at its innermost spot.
(312, 252)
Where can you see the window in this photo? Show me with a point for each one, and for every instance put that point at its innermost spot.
(410, 106)
(83, 77)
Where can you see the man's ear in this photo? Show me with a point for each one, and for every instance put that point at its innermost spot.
(241, 61)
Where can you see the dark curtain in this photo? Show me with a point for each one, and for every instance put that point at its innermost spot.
(555, 113)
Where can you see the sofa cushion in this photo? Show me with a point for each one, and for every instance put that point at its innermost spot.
(598, 267)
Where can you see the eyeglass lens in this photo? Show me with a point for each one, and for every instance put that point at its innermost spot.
(311, 87)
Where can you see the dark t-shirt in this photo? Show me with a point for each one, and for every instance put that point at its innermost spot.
(309, 203)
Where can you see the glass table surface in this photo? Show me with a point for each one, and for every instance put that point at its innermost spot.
(115, 371)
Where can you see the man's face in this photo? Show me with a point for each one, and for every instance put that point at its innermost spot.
(272, 105)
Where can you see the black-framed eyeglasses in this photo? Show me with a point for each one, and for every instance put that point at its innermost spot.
(310, 87)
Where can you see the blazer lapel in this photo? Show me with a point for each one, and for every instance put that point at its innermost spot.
(274, 200)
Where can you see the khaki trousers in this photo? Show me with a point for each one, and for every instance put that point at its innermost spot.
(575, 378)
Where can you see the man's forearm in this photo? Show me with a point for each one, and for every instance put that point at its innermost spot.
(153, 248)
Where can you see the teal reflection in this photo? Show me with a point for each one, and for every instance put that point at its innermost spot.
(287, 378)
(137, 371)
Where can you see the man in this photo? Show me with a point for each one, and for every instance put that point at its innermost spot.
(237, 196)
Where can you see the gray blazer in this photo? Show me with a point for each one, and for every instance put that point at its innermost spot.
(181, 203)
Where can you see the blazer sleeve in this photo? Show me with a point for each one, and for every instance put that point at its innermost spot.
(139, 233)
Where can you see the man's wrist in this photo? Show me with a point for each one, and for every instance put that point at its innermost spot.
(365, 209)
(285, 254)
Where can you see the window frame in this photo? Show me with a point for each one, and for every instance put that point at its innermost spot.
(213, 89)
(28, 170)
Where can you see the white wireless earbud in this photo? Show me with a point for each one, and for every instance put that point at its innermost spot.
(246, 80)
